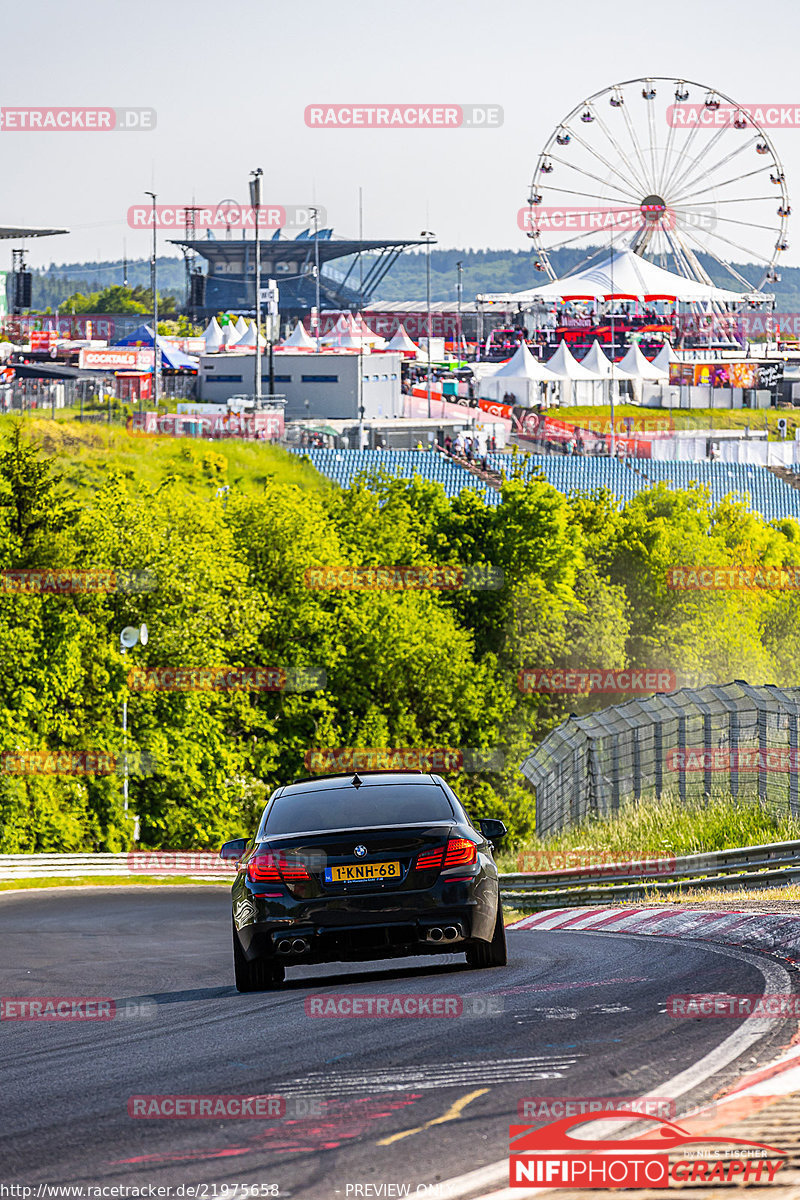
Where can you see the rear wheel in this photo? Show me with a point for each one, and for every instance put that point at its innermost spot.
(493, 953)
(257, 976)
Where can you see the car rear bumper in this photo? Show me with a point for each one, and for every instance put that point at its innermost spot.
(372, 927)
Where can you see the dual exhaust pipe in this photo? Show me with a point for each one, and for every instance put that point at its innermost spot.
(296, 945)
(450, 933)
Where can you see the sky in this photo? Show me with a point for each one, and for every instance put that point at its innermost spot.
(230, 85)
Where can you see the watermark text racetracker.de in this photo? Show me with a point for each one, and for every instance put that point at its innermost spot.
(552, 1108)
(227, 679)
(589, 862)
(215, 1107)
(722, 115)
(589, 680)
(705, 577)
(559, 218)
(392, 578)
(65, 581)
(74, 1008)
(323, 760)
(766, 1005)
(77, 762)
(76, 120)
(224, 216)
(333, 1004)
(404, 116)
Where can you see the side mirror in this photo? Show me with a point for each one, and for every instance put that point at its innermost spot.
(491, 829)
(234, 849)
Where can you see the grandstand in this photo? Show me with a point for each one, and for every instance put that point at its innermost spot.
(342, 466)
(763, 492)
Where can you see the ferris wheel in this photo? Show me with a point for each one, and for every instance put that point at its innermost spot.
(677, 171)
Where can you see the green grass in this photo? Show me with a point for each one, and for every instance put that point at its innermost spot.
(656, 829)
(10, 885)
(88, 453)
(682, 419)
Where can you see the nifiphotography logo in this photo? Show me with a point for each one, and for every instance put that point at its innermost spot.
(553, 1155)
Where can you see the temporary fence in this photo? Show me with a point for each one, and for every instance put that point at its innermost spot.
(735, 739)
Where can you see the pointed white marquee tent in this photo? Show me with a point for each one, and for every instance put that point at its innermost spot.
(636, 366)
(402, 342)
(299, 339)
(213, 336)
(522, 376)
(575, 377)
(665, 356)
(361, 329)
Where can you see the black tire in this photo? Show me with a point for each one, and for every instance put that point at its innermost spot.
(257, 976)
(493, 953)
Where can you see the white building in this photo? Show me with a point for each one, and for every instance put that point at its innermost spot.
(320, 386)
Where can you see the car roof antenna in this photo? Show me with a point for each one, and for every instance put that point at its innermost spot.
(356, 782)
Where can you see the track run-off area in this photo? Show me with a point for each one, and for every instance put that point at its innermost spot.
(421, 1102)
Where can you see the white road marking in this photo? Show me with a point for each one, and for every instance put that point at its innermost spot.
(432, 1075)
(776, 979)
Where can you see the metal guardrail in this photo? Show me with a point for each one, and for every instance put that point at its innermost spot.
(776, 864)
(198, 864)
(747, 867)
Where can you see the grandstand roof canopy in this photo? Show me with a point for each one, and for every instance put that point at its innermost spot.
(26, 231)
(291, 250)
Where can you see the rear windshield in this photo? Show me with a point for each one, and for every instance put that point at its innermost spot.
(356, 808)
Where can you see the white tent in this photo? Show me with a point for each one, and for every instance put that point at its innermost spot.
(299, 339)
(575, 377)
(241, 327)
(636, 366)
(230, 336)
(665, 356)
(623, 274)
(361, 329)
(565, 365)
(213, 336)
(597, 360)
(339, 330)
(248, 339)
(522, 376)
(402, 342)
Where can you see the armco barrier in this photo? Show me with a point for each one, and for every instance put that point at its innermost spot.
(198, 864)
(747, 867)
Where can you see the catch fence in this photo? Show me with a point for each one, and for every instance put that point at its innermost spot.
(734, 739)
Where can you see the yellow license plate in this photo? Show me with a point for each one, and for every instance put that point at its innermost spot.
(360, 872)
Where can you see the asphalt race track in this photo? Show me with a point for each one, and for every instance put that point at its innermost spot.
(573, 1015)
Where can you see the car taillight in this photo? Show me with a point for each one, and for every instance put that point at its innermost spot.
(460, 853)
(430, 860)
(275, 867)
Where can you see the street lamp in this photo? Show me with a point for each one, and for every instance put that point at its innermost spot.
(255, 203)
(315, 211)
(459, 266)
(429, 238)
(129, 637)
(154, 284)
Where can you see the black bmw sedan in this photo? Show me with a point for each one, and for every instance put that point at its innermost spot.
(349, 867)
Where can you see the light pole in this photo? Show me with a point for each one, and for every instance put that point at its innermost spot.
(315, 211)
(429, 238)
(129, 637)
(611, 380)
(255, 203)
(459, 266)
(154, 283)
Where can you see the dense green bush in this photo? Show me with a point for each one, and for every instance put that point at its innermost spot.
(584, 585)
